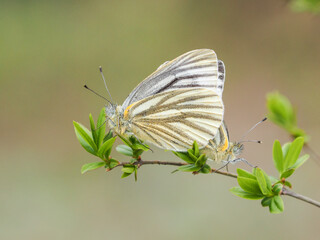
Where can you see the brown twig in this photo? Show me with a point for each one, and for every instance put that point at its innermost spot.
(284, 192)
(287, 192)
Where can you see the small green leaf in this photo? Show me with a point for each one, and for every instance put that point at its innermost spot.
(195, 148)
(244, 173)
(276, 205)
(91, 166)
(205, 169)
(300, 161)
(288, 184)
(266, 201)
(264, 182)
(249, 185)
(93, 129)
(105, 147)
(277, 188)
(201, 160)
(287, 173)
(124, 175)
(113, 163)
(191, 155)
(184, 156)
(128, 169)
(238, 191)
(108, 136)
(293, 152)
(101, 127)
(189, 168)
(278, 156)
(125, 150)
(285, 149)
(85, 138)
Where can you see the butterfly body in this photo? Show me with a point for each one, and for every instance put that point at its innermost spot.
(220, 148)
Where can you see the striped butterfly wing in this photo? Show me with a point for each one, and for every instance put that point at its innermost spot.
(195, 69)
(173, 120)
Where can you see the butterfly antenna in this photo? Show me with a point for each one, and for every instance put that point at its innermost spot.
(105, 84)
(254, 126)
(85, 86)
(254, 141)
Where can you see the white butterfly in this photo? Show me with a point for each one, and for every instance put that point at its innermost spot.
(176, 105)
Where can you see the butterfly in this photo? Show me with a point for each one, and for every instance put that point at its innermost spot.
(176, 105)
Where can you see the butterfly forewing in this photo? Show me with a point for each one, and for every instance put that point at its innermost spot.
(173, 120)
(195, 69)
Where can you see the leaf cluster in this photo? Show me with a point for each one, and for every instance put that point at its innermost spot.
(197, 162)
(258, 185)
(96, 142)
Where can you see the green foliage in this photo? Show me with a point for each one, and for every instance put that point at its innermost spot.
(282, 113)
(100, 144)
(258, 185)
(305, 6)
(96, 142)
(196, 161)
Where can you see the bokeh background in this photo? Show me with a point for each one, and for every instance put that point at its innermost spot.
(50, 49)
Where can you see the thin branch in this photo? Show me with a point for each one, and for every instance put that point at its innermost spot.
(141, 162)
(290, 193)
(284, 192)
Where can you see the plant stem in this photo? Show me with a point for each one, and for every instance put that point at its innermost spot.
(287, 192)
(141, 162)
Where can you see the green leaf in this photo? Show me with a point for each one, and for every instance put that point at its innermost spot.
(312, 6)
(293, 152)
(201, 160)
(128, 169)
(184, 156)
(106, 146)
(91, 166)
(195, 148)
(125, 150)
(288, 184)
(266, 201)
(278, 156)
(277, 188)
(244, 173)
(108, 136)
(249, 185)
(191, 155)
(287, 173)
(238, 191)
(285, 149)
(264, 182)
(300, 161)
(205, 169)
(113, 163)
(280, 110)
(85, 138)
(93, 129)
(189, 168)
(276, 205)
(124, 175)
(101, 127)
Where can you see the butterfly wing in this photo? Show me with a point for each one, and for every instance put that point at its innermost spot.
(195, 69)
(173, 120)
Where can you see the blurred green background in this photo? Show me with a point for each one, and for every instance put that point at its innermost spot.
(50, 49)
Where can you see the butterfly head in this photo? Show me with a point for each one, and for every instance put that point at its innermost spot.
(235, 149)
(114, 119)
